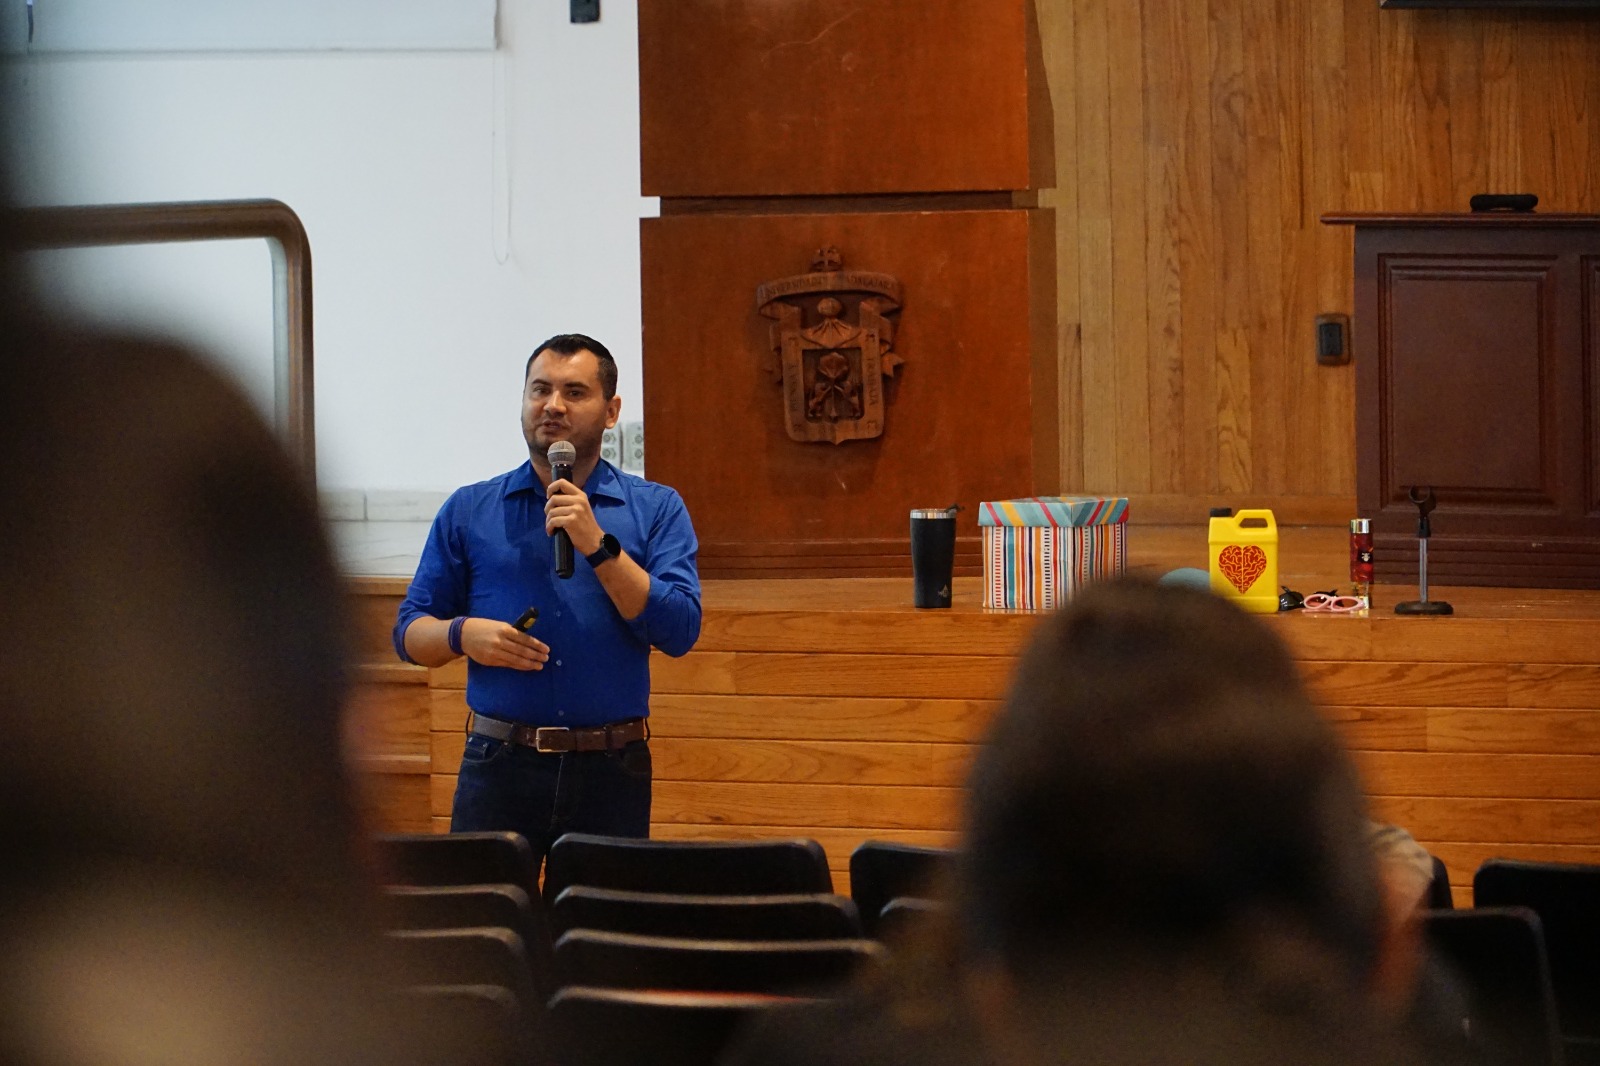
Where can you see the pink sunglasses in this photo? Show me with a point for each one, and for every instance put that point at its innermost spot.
(1327, 601)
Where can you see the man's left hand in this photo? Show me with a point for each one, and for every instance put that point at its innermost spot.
(567, 507)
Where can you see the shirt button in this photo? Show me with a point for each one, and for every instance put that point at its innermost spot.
(558, 614)
(558, 662)
(561, 714)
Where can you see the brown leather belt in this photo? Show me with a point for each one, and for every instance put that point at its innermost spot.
(555, 739)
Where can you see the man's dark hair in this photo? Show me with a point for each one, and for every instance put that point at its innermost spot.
(1158, 784)
(572, 344)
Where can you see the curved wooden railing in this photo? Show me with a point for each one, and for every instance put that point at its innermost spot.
(215, 220)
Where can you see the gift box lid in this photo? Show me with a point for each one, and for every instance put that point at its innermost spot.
(1054, 511)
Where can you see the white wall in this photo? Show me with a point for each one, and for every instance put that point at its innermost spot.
(461, 206)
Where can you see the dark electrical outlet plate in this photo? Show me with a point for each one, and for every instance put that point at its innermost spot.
(585, 10)
(1333, 340)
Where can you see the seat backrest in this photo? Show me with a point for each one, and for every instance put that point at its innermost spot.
(455, 906)
(609, 1027)
(464, 906)
(810, 916)
(457, 859)
(789, 967)
(1566, 897)
(882, 870)
(1438, 896)
(483, 955)
(695, 867)
(903, 914)
(1498, 954)
(472, 1023)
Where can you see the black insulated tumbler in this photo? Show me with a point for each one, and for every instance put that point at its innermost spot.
(933, 555)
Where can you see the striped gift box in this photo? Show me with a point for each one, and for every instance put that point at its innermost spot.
(1037, 552)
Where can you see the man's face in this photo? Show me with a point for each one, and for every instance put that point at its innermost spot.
(563, 400)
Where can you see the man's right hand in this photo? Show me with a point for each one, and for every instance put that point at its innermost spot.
(493, 643)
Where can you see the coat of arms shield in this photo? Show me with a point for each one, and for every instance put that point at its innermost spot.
(833, 339)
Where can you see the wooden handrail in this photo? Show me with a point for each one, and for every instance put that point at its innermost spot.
(215, 220)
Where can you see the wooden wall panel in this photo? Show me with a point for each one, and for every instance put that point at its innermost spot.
(1197, 145)
(765, 502)
(753, 98)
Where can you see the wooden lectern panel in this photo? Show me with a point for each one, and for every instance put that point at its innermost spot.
(970, 415)
(820, 97)
(1477, 351)
(1470, 404)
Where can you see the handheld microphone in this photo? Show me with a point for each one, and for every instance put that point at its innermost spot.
(562, 455)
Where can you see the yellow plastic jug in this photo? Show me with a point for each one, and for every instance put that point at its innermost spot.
(1244, 560)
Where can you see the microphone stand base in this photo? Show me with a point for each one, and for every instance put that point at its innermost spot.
(1424, 607)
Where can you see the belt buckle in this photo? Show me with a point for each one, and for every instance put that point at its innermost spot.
(543, 739)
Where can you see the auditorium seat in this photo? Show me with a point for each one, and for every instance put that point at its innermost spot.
(1439, 897)
(459, 906)
(455, 906)
(812, 916)
(457, 859)
(475, 956)
(791, 967)
(472, 1023)
(882, 870)
(1566, 897)
(903, 915)
(718, 868)
(1498, 953)
(615, 1027)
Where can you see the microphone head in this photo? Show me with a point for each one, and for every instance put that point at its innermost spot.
(562, 453)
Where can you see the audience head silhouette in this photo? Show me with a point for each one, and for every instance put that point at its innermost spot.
(1163, 825)
(184, 875)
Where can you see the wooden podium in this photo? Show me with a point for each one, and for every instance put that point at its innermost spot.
(1477, 350)
(849, 297)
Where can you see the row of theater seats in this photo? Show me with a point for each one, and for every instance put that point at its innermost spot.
(1525, 960)
(653, 950)
(631, 950)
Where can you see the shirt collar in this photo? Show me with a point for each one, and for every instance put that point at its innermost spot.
(603, 481)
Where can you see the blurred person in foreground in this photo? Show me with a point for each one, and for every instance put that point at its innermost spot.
(1166, 859)
(183, 880)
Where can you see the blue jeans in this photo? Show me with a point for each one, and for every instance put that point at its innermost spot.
(543, 795)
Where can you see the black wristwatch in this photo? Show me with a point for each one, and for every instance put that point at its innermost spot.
(609, 548)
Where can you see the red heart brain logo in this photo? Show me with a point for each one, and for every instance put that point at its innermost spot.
(1242, 565)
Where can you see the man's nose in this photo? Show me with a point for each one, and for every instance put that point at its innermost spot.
(555, 402)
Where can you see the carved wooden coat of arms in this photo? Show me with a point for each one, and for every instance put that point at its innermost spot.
(833, 338)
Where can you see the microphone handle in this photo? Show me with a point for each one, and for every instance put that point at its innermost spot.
(563, 539)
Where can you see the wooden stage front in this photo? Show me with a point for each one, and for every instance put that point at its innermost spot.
(833, 709)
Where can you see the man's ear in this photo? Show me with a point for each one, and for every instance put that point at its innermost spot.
(613, 409)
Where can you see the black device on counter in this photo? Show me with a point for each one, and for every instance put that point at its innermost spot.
(1520, 202)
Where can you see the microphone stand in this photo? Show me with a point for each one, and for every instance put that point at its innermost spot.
(1423, 497)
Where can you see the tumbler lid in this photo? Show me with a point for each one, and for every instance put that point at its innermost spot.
(1361, 525)
(934, 512)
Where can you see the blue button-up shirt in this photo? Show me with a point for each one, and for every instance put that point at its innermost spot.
(488, 556)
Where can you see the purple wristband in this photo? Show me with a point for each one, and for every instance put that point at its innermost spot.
(454, 637)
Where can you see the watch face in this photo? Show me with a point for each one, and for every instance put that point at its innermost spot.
(610, 548)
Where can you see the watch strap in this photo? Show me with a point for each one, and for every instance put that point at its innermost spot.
(609, 548)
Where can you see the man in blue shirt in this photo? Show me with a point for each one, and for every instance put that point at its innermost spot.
(557, 736)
